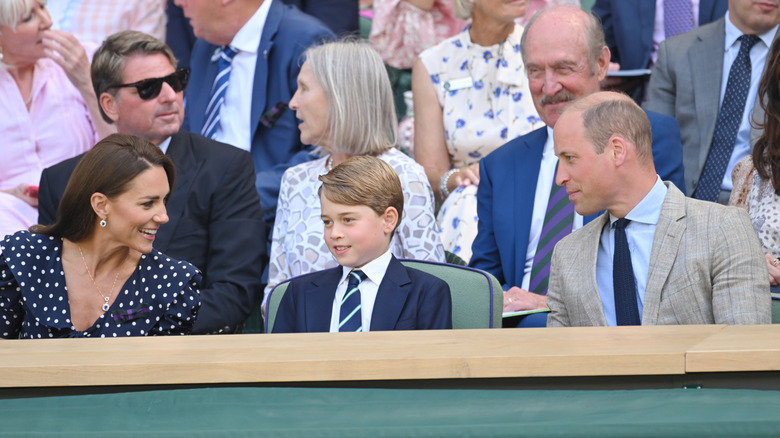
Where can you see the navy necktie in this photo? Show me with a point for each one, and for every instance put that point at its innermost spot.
(727, 125)
(351, 318)
(218, 89)
(623, 282)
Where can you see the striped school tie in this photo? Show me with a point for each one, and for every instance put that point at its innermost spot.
(350, 318)
(218, 93)
(558, 222)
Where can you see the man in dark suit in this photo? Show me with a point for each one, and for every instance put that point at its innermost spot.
(268, 39)
(517, 179)
(362, 202)
(215, 216)
(341, 16)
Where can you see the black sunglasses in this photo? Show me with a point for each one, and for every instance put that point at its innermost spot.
(150, 88)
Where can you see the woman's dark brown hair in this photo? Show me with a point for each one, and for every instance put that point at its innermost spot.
(108, 168)
(766, 151)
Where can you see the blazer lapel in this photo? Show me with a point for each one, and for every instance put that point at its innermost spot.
(525, 169)
(259, 90)
(666, 242)
(180, 152)
(197, 101)
(319, 300)
(390, 297)
(589, 245)
(706, 64)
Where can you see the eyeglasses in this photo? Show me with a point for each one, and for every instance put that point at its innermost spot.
(150, 88)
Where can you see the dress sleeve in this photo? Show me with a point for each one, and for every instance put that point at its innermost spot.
(10, 302)
(181, 315)
(417, 232)
(742, 176)
(277, 263)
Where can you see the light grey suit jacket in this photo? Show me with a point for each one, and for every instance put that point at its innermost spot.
(706, 267)
(685, 84)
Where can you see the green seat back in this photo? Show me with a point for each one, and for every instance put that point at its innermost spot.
(477, 298)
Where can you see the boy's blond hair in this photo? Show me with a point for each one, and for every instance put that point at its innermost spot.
(364, 180)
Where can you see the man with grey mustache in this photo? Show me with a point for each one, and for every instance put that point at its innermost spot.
(522, 213)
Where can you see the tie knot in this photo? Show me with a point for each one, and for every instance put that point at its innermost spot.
(228, 53)
(358, 275)
(747, 41)
(622, 223)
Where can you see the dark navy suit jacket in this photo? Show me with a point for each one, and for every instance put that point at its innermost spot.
(286, 34)
(214, 222)
(341, 16)
(507, 186)
(407, 299)
(628, 27)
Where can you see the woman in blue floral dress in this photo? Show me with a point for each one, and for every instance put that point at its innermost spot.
(94, 273)
(470, 96)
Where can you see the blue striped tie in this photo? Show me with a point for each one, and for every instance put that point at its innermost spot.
(214, 107)
(351, 318)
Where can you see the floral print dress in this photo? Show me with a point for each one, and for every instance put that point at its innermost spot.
(485, 99)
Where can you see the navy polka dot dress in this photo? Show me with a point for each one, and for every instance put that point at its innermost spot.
(160, 298)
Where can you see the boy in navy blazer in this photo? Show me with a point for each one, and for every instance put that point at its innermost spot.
(362, 202)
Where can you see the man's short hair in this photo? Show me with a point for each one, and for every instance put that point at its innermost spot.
(109, 61)
(594, 34)
(608, 114)
(364, 180)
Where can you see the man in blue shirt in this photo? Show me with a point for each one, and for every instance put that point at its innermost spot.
(655, 256)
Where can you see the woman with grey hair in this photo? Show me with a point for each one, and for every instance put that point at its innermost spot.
(49, 111)
(471, 96)
(344, 105)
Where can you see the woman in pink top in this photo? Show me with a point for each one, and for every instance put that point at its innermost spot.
(402, 29)
(49, 111)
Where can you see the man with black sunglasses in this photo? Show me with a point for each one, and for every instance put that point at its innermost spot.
(215, 216)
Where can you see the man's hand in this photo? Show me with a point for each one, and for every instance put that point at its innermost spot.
(516, 299)
(21, 191)
(773, 264)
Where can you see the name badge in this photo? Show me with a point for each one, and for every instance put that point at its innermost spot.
(458, 84)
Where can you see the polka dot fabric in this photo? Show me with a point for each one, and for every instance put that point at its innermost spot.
(160, 298)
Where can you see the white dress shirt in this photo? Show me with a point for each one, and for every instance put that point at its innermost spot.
(375, 271)
(236, 113)
(541, 197)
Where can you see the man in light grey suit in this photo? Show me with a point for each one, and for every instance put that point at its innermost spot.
(689, 83)
(655, 256)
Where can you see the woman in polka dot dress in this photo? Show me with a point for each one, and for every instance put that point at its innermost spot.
(94, 273)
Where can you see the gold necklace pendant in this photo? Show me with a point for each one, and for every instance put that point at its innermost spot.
(107, 298)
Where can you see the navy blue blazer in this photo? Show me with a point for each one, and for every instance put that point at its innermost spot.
(407, 299)
(276, 143)
(507, 186)
(628, 27)
(214, 222)
(341, 16)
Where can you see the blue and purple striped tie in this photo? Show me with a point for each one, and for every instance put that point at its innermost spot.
(558, 221)
(678, 17)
